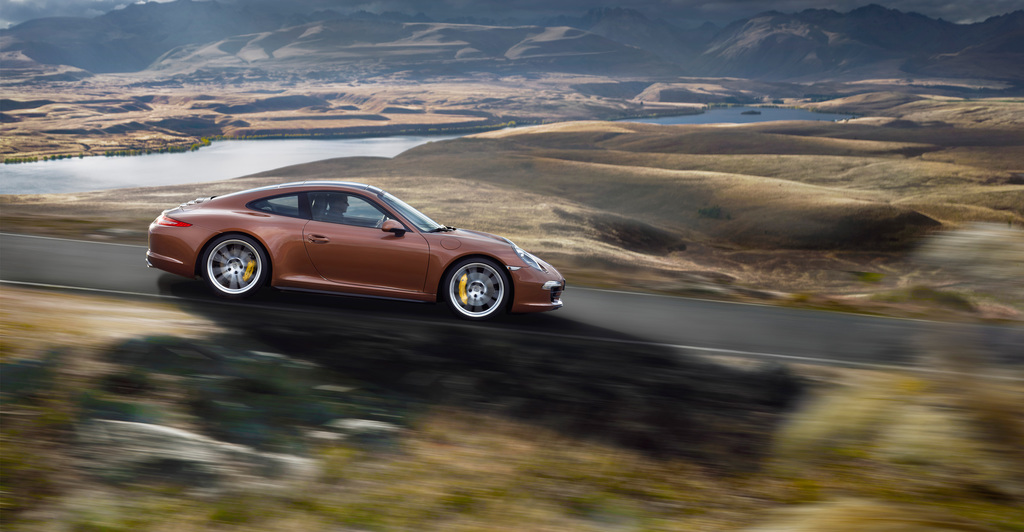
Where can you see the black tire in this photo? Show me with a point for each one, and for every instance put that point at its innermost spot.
(235, 266)
(477, 289)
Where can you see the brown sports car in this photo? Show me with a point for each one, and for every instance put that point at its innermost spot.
(348, 238)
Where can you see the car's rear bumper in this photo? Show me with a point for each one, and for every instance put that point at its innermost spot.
(174, 249)
(169, 264)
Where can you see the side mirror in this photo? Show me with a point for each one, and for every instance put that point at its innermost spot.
(393, 226)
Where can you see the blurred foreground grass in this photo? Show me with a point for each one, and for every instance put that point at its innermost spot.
(506, 441)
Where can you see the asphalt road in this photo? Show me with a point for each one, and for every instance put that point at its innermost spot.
(693, 325)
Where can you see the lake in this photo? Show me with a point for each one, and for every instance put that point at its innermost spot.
(237, 158)
(220, 160)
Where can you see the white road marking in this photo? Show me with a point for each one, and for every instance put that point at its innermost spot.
(81, 289)
(38, 237)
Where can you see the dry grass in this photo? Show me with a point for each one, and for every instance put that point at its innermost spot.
(870, 450)
(795, 191)
(947, 444)
(987, 113)
(111, 113)
(32, 322)
(855, 515)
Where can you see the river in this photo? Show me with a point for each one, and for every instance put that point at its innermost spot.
(236, 158)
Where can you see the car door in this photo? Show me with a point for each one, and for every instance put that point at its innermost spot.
(278, 221)
(346, 245)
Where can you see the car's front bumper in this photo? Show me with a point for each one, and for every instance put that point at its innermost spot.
(537, 291)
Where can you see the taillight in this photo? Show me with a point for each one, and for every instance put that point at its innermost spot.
(167, 221)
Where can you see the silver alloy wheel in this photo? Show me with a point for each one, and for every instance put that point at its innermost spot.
(234, 267)
(476, 290)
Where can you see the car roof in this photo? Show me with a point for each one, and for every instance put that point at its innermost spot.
(340, 184)
(324, 184)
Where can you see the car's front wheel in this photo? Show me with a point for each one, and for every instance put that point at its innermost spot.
(235, 266)
(477, 289)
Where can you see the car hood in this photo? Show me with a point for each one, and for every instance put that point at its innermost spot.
(478, 236)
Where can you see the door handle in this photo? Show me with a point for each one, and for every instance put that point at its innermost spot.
(318, 239)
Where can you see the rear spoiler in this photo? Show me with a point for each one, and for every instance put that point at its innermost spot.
(196, 201)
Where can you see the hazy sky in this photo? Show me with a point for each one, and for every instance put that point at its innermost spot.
(691, 11)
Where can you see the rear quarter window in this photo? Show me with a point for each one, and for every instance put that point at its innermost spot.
(288, 205)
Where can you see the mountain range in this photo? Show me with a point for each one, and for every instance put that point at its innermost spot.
(184, 36)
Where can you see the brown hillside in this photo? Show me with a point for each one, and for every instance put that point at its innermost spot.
(786, 206)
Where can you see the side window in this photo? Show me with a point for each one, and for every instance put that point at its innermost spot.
(348, 209)
(289, 205)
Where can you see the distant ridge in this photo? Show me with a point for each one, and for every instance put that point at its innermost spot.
(872, 40)
(815, 44)
(345, 47)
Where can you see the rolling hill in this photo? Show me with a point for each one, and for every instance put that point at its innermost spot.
(815, 44)
(346, 45)
(129, 39)
(783, 206)
(866, 42)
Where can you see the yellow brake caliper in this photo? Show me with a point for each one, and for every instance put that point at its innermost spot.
(462, 289)
(249, 270)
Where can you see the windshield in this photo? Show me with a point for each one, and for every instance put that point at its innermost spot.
(417, 218)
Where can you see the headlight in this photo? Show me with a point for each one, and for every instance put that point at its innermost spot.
(528, 258)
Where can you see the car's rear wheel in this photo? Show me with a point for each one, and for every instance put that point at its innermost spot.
(477, 289)
(235, 266)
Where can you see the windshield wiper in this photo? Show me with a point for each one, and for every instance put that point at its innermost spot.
(443, 229)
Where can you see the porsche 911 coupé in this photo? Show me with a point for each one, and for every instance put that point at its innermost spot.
(347, 238)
